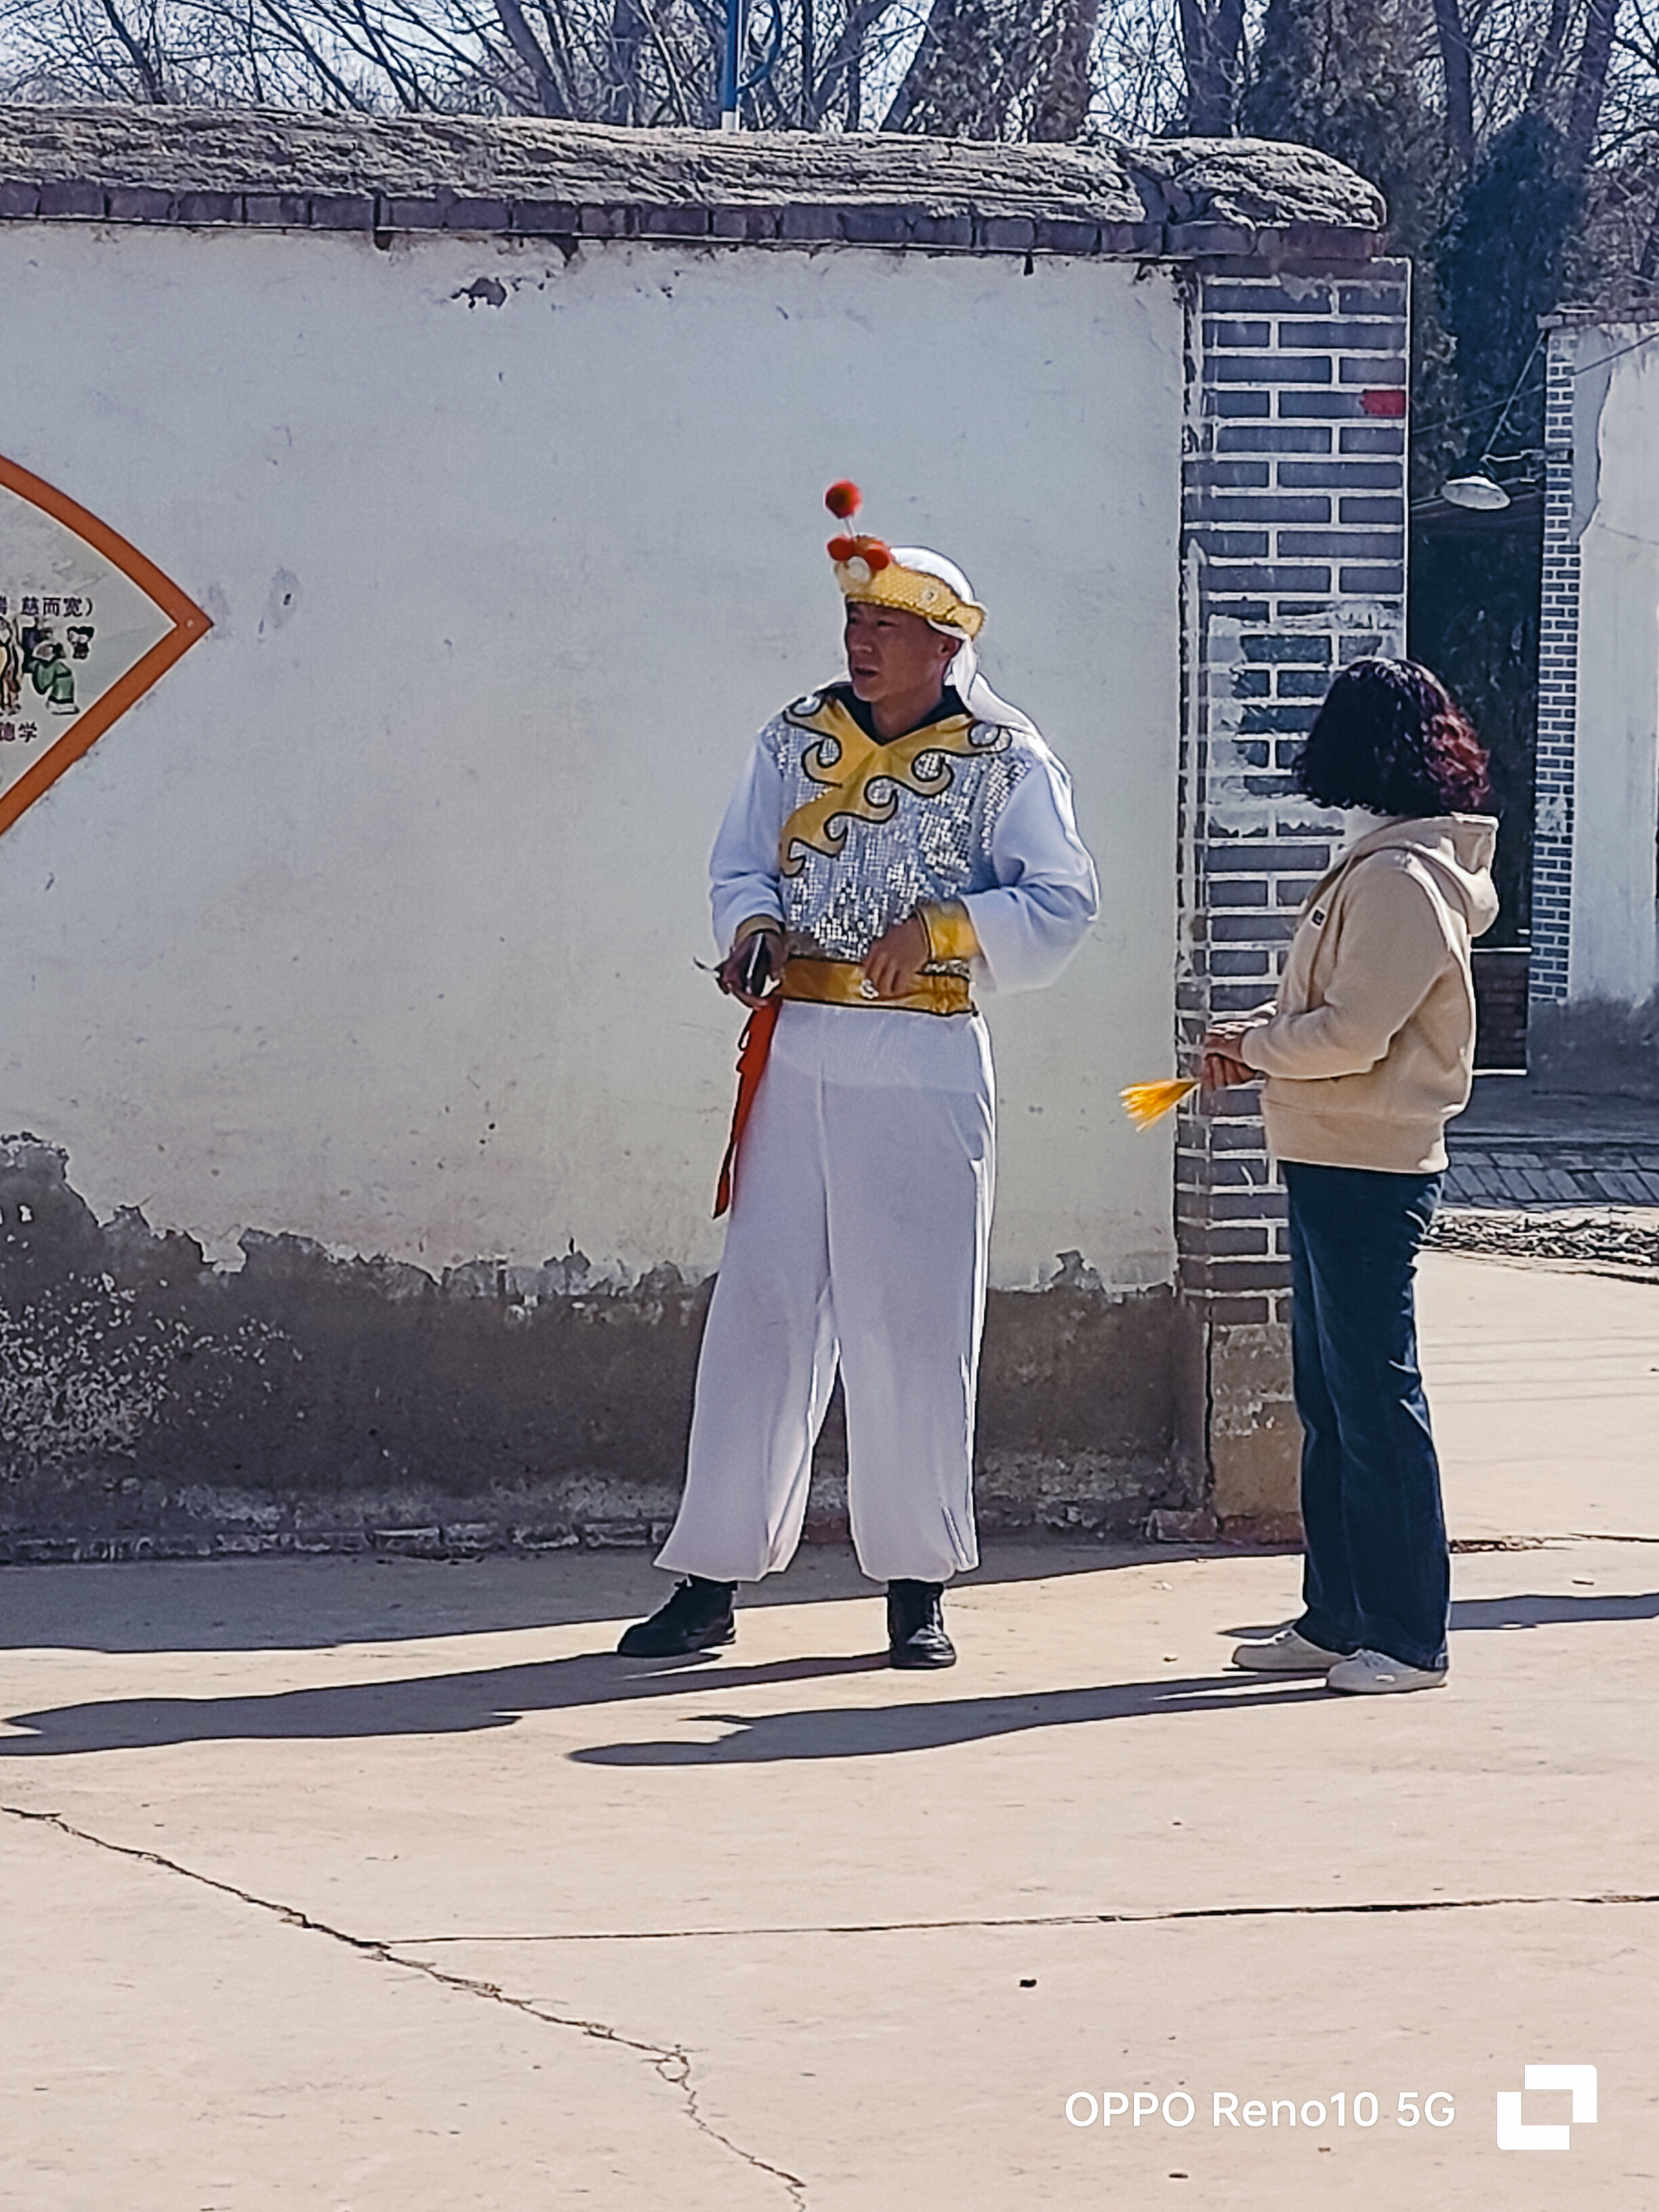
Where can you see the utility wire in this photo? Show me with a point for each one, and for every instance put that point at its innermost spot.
(1584, 367)
(1580, 368)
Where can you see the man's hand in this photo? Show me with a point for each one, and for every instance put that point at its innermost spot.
(1222, 1066)
(895, 962)
(730, 973)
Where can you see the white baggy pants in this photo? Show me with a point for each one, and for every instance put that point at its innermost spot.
(858, 1236)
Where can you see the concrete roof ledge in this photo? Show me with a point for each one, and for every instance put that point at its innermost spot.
(1170, 199)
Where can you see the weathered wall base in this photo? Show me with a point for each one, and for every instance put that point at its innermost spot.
(1256, 1439)
(1236, 1416)
(152, 1405)
(1590, 1045)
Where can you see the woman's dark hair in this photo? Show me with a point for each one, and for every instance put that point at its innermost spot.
(1391, 738)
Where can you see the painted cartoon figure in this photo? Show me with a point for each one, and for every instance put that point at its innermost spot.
(11, 669)
(48, 669)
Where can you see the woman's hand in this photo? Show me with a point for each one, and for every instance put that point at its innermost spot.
(895, 962)
(730, 973)
(1221, 1067)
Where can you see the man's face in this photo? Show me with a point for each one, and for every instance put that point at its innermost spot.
(891, 654)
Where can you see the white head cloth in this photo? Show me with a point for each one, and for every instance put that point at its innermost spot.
(963, 675)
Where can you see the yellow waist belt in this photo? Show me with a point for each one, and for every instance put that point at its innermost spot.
(844, 983)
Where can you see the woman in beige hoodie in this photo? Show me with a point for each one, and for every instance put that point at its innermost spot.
(1367, 1053)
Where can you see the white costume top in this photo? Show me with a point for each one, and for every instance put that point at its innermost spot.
(982, 817)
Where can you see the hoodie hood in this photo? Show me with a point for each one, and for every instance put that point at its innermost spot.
(1455, 850)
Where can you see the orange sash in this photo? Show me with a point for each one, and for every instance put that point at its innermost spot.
(753, 1047)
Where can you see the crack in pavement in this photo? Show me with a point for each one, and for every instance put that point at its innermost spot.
(1347, 1907)
(1460, 1545)
(671, 2062)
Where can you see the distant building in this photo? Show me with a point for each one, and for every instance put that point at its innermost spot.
(1595, 980)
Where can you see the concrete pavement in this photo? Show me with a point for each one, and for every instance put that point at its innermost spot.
(363, 1885)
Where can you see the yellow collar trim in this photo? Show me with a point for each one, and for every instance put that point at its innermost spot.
(847, 763)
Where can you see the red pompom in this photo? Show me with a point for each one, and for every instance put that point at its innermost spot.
(875, 556)
(843, 499)
(842, 549)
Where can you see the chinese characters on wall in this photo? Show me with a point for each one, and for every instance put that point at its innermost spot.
(42, 636)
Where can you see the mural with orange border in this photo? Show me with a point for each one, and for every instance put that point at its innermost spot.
(87, 625)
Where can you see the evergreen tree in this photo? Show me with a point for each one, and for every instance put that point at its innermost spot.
(1487, 244)
(1499, 265)
(1342, 74)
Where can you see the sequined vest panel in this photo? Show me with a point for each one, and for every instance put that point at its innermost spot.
(872, 831)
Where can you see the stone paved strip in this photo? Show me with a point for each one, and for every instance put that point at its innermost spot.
(1528, 1173)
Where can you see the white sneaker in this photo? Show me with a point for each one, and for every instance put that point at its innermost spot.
(1289, 1652)
(1374, 1674)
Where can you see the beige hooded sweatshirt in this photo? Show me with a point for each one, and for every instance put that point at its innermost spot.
(1369, 1049)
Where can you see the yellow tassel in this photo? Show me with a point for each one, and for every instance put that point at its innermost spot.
(1146, 1102)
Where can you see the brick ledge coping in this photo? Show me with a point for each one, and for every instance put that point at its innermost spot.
(1172, 199)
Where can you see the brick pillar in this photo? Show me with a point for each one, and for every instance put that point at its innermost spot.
(1558, 688)
(1295, 552)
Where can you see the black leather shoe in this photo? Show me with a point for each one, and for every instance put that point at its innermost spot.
(915, 1627)
(697, 1618)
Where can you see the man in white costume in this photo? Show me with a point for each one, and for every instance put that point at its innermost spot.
(895, 843)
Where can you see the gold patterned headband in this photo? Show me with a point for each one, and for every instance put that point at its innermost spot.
(869, 575)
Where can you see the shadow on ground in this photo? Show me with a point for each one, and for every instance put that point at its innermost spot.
(1525, 1610)
(494, 1698)
(328, 1605)
(300, 1605)
(865, 1732)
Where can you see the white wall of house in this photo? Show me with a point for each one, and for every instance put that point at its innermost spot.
(1614, 945)
(374, 921)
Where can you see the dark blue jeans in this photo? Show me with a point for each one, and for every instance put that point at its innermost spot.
(1376, 1576)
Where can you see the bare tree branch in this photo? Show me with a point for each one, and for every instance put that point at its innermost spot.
(1457, 64)
(1212, 41)
(1589, 82)
(839, 76)
(556, 46)
(527, 47)
(679, 97)
(148, 75)
(329, 74)
(624, 40)
(1548, 64)
(941, 14)
(1061, 105)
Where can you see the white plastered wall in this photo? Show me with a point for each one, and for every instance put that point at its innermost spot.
(375, 922)
(1613, 949)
